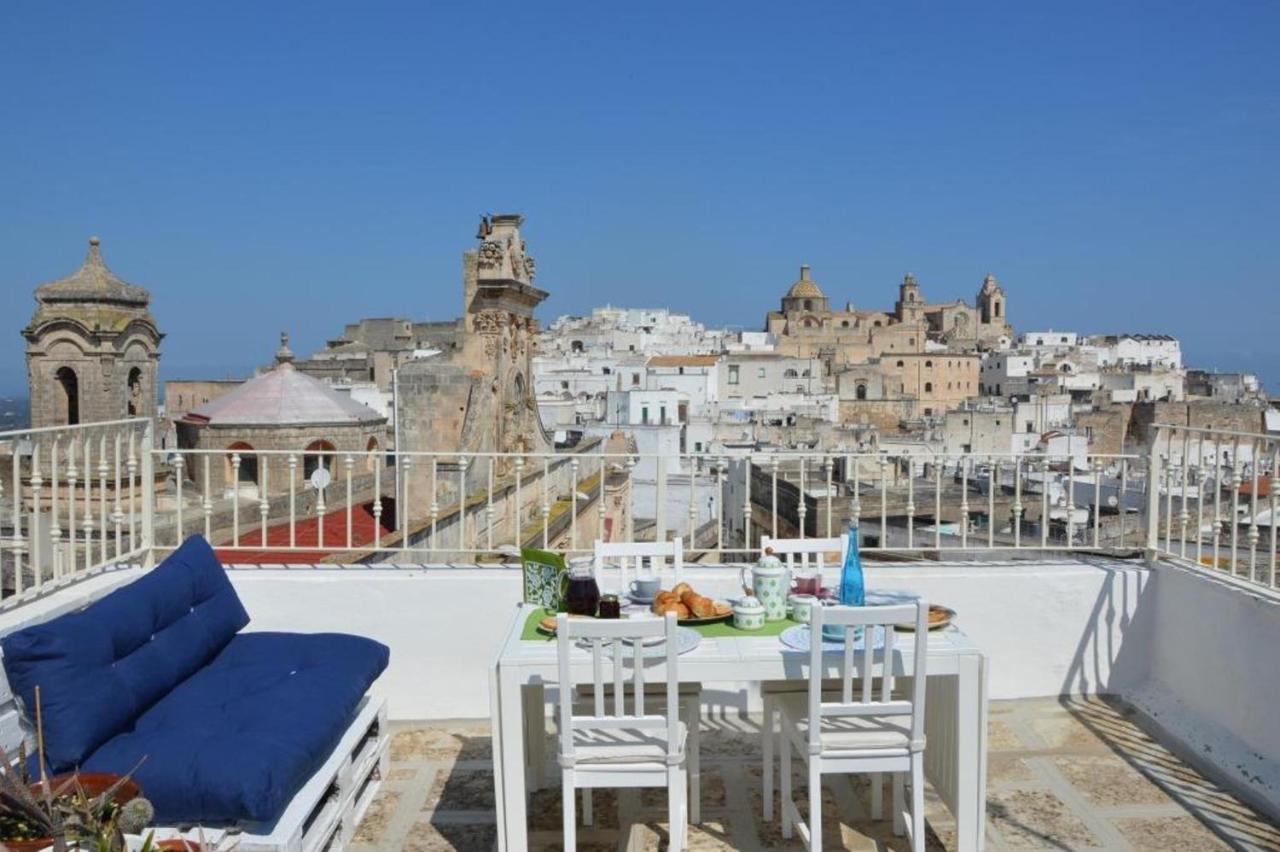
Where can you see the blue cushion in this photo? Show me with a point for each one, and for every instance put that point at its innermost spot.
(100, 668)
(237, 740)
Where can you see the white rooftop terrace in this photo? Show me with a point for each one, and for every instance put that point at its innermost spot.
(1131, 674)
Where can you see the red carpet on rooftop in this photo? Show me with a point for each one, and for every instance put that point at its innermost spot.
(306, 534)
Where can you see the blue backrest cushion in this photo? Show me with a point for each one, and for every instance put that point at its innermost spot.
(98, 669)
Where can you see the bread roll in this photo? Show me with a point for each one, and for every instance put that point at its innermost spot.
(681, 589)
(664, 597)
(678, 608)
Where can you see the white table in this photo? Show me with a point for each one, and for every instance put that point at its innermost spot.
(955, 713)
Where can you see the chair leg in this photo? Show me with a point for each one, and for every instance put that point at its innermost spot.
(587, 817)
(899, 804)
(694, 724)
(815, 803)
(677, 810)
(917, 802)
(785, 775)
(766, 729)
(877, 796)
(567, 793)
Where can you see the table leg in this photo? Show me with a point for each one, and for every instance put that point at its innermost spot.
(508, 734)
(495, 729)
(971, 753)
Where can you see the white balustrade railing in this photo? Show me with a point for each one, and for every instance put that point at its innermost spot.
(72, 500)
(265, 506)
(1216, 502)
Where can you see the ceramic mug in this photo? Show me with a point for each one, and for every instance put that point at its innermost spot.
(644, 587)
(808, 584)
(798, 607)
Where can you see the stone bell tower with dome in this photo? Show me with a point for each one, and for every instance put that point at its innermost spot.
(93, 348)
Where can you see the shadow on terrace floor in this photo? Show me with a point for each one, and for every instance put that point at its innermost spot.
(1062, 775)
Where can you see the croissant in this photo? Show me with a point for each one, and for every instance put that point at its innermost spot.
(702, 607)
(681, 589)
(678, 608)
(664, 597)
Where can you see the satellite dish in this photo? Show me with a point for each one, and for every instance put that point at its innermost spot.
(320, 478)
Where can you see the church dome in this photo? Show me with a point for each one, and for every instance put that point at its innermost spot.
(93, 282)
(806, 287)
(284, 397)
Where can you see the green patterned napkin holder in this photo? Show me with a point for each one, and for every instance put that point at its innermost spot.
(546, 578)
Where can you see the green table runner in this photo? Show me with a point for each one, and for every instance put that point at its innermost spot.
(714, 630)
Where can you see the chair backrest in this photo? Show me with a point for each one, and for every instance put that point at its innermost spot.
(633, 554)
(866, 702)
(624, 638)
(807, 553)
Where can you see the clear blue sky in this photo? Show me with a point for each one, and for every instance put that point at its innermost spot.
(262, 166)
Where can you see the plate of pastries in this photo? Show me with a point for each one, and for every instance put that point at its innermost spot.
(689, 606)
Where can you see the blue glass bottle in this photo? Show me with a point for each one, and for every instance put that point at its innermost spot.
(853, 591)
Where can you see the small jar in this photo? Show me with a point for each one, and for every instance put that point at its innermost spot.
(610, 606)
(748, 614)
(798, 607)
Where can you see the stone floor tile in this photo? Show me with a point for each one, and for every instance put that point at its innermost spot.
(1158, 834)
(1107, 780)
(1036, 819)
(469, 743)
(461, 790)
(710, 835)
(373, 826)
(1064, 731)
(546, 813)
(1001, 737)
(713, 793)
(447, 837)
(1007, 768)
(402, 773)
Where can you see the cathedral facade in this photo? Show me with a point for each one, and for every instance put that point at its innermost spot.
(806, 326)
(93, 348)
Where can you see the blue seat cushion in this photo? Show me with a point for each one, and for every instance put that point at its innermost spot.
(236, 741)
(100, 668)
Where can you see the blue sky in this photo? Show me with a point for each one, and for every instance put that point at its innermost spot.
(261, 166)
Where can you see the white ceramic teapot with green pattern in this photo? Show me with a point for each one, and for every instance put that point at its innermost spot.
(770, 582)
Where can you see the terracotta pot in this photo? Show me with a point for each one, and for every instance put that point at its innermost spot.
(93, 784)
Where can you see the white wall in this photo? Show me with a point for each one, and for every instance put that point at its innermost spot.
(1213, 682)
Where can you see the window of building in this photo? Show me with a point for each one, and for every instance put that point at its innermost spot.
(760, 373)
(928, 363)
(733, 374)
(805, 374)
(860, 392)
(808, 304)
(911, 341)
(997, 390)
(844, 323)
(680, 370)
(67, 398)
(928, 387)
(605, 370)
(317, 455)
(928, 412)
(789, 373)
(662, 414)
(1031, 426)
(697, 446)
(133, 405)
(635, 379)
(644, 415)
(900, 364)
(564, 386)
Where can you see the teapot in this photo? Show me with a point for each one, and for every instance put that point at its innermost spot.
(770, 582)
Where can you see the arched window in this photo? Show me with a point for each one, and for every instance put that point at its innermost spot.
(371, 460)
(860, 392)
(808, 304)
(928, 387)
(789, 374)
(67, 396)
(997, 309)
(805, 374)
(576, 346)
(318, 454)
(133, 404)
(928, 363)
(900, 364)
(809, 322)
(247, 473)
(844, 323)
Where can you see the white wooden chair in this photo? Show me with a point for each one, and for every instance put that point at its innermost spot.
(633, 554)
(869, 733)
(620, 749)
(806, 554)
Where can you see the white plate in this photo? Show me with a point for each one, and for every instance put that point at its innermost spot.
(799, 637)
(686, 640)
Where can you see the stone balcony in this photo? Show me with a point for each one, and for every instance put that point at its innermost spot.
(1070, 773)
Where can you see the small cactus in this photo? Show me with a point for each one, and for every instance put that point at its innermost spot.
(136, 815)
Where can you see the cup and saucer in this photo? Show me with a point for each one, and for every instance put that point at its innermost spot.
(643, 590)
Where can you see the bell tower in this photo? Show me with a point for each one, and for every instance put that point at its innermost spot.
(93, 349)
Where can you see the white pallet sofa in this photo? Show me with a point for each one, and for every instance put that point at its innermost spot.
(322, 813)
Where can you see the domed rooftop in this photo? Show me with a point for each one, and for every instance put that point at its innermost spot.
(284, 397)
(93, 282)
(806, 287)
